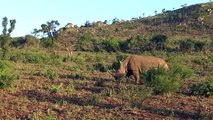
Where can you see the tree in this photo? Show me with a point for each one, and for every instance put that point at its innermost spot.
(48, 29)
(87, 23)
(143, 15)
(163, 10)
(156, 12)
(5, 36)
(115, 20)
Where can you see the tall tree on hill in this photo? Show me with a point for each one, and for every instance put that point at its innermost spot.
(48, 29)
(5, 36)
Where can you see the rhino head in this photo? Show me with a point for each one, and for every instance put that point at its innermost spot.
(120, 72)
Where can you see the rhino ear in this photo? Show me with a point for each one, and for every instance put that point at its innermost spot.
(120, 62)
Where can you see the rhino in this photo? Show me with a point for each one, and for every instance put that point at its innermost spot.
(135, 64)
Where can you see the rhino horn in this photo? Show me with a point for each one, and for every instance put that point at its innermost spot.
(111, 73)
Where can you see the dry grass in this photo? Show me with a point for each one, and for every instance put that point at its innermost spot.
(76, 93)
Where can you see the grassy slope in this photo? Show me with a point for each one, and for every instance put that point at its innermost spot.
(178, 24)
(76, 90)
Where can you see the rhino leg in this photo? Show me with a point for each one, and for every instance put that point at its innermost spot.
(128, 75)
(136, 75)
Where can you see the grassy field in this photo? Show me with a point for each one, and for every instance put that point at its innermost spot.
(39, 81)
(51, 85)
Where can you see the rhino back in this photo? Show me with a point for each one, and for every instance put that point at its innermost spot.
(144, 62)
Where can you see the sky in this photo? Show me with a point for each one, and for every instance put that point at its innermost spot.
(30, 14)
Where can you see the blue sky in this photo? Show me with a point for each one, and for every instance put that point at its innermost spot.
(30, 14)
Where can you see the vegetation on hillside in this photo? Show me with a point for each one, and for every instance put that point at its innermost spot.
(45, 81)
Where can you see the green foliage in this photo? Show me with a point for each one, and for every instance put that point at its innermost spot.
(46, 42)
(199, 46)
(186, 45)
(31, 40)
(51, 74)
(86, 42)
(164, 81)
(54, 88)
(49, 29)
(79, 59)
(94, 100)
(28, 40)
(49, 117)
(100, 66)
(18, 42)
(159, 42)
(137, 44)
(4, 25)
(110, 45)
(36, 58)
(205, 88)
(56, 59)
(4, 42)
(5, 37)
(6, 76)
(161, 81)
(181, 71)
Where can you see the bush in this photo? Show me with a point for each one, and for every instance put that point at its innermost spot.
(110, 45)
(79, 59)
(161, 81)
(205, 88)
(101, 67)
(31, 40)
(35, 58)
(186, 45)
(46, 42)
(180, 71)
(159, 42)
(18, 42)
(199, 46)
(164, 81)
(56, 59)
(137, 44)
(86, 43)
(6, 76)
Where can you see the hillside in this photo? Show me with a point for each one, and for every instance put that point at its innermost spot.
(40, 80)
(194, 21)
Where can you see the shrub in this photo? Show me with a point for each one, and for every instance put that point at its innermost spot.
(56, 59)
(180, 71)
(79, 59)
(123, 45)
(186, 45)
(18, 42)
(6, 76)
(205, 88)
(137, 44)
(86, 42)
(110, 45)
(31, 40)
(164, 81)
(46, 42)
(161, 81)
(199, 46)
(35, 58)
(159, 41)
(101, 67)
